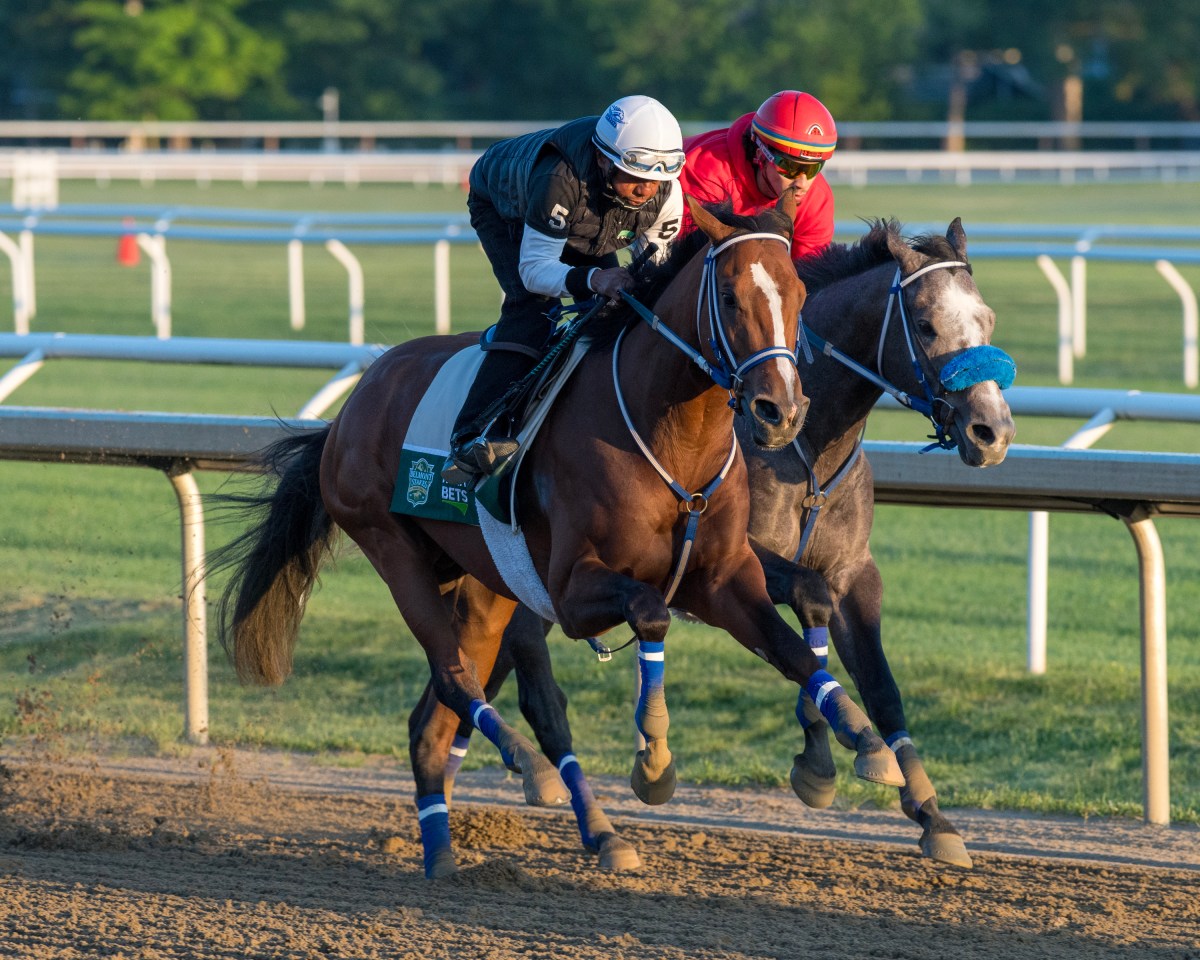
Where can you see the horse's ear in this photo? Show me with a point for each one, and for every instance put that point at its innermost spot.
(787, 204)
(958, 238)
(714, 229)
(902, 253)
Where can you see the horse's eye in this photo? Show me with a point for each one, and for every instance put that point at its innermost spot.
(728, 299)
(925, 328)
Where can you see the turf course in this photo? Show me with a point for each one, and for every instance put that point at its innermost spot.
(89, 563)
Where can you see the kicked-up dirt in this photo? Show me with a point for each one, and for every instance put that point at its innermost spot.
(247, 855)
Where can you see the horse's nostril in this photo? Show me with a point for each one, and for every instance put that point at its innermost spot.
(984, 434)
(767, 412)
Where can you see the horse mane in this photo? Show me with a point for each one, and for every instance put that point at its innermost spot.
(839, 261)
(653, 279)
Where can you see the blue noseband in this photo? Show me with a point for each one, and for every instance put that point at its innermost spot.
(978, 365)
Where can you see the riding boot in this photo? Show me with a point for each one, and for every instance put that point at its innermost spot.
(472, 454)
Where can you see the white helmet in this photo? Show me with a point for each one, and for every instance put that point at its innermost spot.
(641, 137)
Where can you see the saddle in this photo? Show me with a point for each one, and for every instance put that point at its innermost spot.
(419, 489)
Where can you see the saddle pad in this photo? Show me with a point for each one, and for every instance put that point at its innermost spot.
(420, 490)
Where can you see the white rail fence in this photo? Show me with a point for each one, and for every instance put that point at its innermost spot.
(337, 232)
(291, 230)
(448, 168)
(34, 350)
(1134, 486)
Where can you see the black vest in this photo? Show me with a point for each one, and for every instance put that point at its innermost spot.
(596, 224)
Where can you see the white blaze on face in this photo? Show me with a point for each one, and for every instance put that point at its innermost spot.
(962, 307)
(766, 283)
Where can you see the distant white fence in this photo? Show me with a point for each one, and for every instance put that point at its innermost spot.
(449, 168)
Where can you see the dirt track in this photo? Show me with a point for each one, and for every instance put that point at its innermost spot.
(248, 855)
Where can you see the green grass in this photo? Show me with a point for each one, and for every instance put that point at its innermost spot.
(89, 556)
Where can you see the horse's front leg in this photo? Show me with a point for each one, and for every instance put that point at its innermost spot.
(739, 604)
(805, 591)
(859, 643)
(592, 598)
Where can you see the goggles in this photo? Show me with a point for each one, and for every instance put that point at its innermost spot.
(646, 160)
(789, 166)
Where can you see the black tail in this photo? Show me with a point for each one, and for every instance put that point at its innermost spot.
(276, 561)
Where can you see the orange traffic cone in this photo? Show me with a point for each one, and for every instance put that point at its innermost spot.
(128, 254)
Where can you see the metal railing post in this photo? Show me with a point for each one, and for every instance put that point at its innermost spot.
(195, 622)
(354, 271)
(155, 246)
(1191, 364)
(1039, 550)
(20, 304)
(1066, 349)
(295, 255)
(1156, 782)
(441, 286)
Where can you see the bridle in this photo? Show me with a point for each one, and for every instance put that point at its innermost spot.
(974, 365)
(726, 370)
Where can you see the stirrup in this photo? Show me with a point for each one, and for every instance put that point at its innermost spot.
(477, 457)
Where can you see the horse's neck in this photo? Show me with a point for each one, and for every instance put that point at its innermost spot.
(849, 316)
(681, 415)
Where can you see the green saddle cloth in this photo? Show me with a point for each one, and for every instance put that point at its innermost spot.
(420, 490)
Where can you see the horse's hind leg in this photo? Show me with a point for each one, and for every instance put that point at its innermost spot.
(544, 706)
(859, 642)
(431, 726)
(480, 617)
(593, 597)
(813, 774)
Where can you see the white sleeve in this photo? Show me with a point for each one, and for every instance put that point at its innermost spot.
(541, 267)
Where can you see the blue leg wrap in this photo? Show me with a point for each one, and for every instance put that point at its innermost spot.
(582, 798)
(458, 753)
(801, 715)
(818, 641)
(825, 692)
(434, 817)
(651, 662)
(898, 739)
(487, 721)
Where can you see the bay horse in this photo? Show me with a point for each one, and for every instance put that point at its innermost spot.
(882, 314)
(635, 497)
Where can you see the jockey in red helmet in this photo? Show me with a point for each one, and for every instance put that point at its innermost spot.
(785, 143)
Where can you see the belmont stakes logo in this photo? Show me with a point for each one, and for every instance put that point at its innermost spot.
(420, 478)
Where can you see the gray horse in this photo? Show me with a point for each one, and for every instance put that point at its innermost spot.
(882, 315)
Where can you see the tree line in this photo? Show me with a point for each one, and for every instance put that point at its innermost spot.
(542, 59)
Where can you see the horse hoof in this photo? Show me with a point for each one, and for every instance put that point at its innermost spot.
(947, 848)
(817, 790)
(652, 792)
(617, 854)
(443, 866)
(544, 787)
(879, 766)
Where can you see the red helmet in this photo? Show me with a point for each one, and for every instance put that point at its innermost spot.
(796, 124)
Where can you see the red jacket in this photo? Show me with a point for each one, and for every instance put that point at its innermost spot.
(717, 169)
